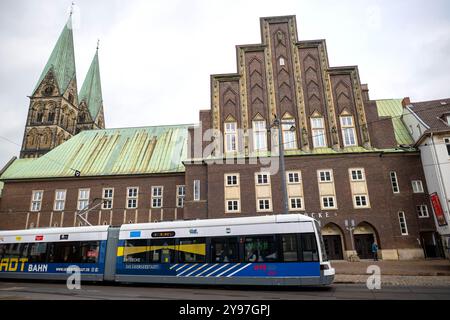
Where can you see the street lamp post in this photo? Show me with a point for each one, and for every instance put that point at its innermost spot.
(350, 226)
(278, 123)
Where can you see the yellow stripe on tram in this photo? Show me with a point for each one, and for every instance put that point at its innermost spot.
(189, 248)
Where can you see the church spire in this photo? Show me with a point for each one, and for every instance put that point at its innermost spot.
(91, 90)
(62, 60)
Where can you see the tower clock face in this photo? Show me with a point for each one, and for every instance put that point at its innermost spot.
(48, 90)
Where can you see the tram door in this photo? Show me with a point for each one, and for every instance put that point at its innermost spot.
(333, 247)
(363, 244)
(163, 250)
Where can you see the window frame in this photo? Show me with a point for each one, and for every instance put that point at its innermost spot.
(355, 203)
(159, 197)
(80, 200)
(397, 186)
(401, 215)
(288, 178)
(63, 201)
(108, 199)
(259, 136)
(196, 193)
(301, 203)
(363, 174)
(258, 208)
(179, 196)
(287, 133)
(227, 175)
(420, 211)
(128, 197)
(318, 131)
(322, 204)
(233, 134)
(417, 183)
(319, 177)
(262, 183)
(38, 201)
(227, 209)
(348, 128)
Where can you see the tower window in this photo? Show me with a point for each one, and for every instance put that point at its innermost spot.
(70, 98)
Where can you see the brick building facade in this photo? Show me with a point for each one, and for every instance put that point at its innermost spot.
(347, 159)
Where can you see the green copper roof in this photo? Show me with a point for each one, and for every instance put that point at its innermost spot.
(91, 90)
(124, 151)
(62, 59)
(393, 108)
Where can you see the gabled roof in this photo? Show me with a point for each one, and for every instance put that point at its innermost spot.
(432, 113)
(62, 60)
(91, 90)
(146, 150)
(393, 108)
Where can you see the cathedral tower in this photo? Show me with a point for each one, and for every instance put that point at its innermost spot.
(53, 112)
(90, 114)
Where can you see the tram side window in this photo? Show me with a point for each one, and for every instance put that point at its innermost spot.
(12, 250)
(162, 251)
(36, 252)
(309, 247)
(224, 249)
(74, 252)
(136, 251)
(261, 249)
(289, 247)
(191, 250)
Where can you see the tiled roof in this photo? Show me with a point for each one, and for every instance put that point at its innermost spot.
(431, 113)
(393, 108)
(62, 60)
(146, 150)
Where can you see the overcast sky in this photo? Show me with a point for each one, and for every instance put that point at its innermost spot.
(156, 56)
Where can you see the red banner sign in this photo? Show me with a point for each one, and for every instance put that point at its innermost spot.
(437, 208)
(39, 238)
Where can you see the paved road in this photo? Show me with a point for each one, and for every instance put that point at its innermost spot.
(59, 291)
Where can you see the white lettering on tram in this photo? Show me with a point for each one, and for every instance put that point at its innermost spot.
(37, 268)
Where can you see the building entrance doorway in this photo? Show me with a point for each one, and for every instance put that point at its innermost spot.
(333, 247)
(363, 245)
(432, 245)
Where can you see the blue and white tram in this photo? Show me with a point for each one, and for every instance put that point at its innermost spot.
(265, 250)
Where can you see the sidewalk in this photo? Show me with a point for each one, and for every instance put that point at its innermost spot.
(402, 273)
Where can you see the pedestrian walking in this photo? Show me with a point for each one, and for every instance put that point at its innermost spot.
(375, 251)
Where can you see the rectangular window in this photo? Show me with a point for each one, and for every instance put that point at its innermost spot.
(132, 197)
(422, 211)
(293, 177)
(232, 179)
(289, 247)
(289, 137)
(262, 178)
(318, 132)
(308, 247)
(83, 198)
(447, 144)
(361, 201)
(60, 200)
(348, 131)
(296, 203)
(136, 251)
(264, 205)
(230, 136)
(357, 175)
(394, 182)
(36, 200)
(157, 197)
(108, 194)
(181, 194)
(402, 222)
(325, 176)
(192, 250)
(417, 186)
(196, 190)
(259, 135)
(261, 249)
(328, 202)
(224, 250)
(232, 206)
